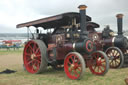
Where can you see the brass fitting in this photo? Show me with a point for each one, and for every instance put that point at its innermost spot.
(119, 15)
(82, 7)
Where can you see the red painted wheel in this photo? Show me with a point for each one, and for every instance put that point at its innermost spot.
(116, 57)
(74, 65)
(100, 64)
(34, 56)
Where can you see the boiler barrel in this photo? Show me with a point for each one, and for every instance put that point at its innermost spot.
(86, 46)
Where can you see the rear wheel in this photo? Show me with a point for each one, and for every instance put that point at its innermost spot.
(100, 64)
(116, 58)
(34, 56)
(74, 65)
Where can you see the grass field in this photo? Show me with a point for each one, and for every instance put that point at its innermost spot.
(13, 60)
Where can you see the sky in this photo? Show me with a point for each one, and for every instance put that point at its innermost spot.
(13, 12)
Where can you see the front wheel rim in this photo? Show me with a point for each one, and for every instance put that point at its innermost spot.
(99, 67)
(73, 66)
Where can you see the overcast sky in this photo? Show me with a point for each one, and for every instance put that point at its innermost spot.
(13, 12)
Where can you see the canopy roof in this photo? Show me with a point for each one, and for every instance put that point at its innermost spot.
(54, 21)
(93, 25)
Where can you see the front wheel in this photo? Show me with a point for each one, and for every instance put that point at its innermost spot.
(100, 64)
(74, 65)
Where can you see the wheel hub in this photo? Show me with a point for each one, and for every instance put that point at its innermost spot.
(33, 56)
(111, 57)
(34, 67)
(72, 66)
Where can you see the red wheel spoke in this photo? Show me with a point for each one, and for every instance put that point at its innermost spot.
(28, 59)
(98, 69)
(76, 73)
(78, 60)
(79, 69)
(37, 51)
(31, 49)
(38, 61)
(39, 55)
(72, 60)
(32, 68)
(69, 62)
(34, 63)
(34, 47)
(71, 69)
(38, 66)
(30, 62)
(103, 66)
(74, 57)
(28, 54)
(95, 67)
(79, 65)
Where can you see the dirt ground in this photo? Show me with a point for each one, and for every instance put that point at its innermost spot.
(10, 60)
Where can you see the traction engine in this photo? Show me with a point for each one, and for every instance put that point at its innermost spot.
(114, 45)
(67, 46)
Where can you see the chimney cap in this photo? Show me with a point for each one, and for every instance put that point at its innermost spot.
(82, 7)
(119, 15)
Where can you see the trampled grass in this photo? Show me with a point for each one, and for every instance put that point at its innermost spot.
(10, 51)
(53, 77)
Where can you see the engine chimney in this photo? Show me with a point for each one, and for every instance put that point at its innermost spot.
(83, 26)
(119, 23)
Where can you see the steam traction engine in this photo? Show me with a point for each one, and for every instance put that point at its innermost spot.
(114, 45)
(66, 45)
